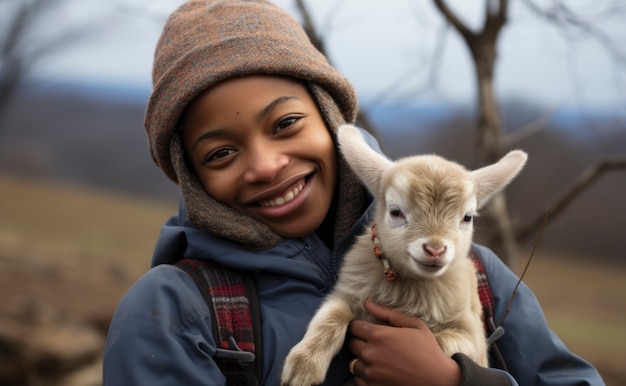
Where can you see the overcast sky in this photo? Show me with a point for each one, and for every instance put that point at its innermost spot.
(387, 48)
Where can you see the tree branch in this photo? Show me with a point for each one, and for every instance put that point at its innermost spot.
(453, 19)
(309, 27)
(431, 81)
(318, 42)
(495, 20)
(584, 181)
(561, 16)
(528, 130)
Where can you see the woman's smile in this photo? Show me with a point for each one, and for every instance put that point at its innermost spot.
(286, 206)
(287, 197)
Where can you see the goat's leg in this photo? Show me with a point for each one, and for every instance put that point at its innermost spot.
(308, 361)
(454, 340)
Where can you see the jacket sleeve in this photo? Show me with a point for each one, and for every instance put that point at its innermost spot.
(533, 353)
(473, 374)
(161, 334)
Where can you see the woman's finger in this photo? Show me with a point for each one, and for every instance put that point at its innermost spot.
(393, 317)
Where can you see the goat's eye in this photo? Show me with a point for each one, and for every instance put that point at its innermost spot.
(467, 218)
(395, 212)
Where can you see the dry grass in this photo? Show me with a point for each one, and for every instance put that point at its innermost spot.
(80, 249)
(76, 248)
(53, 220)
(585, 303)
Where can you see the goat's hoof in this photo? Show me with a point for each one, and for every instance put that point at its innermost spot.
(300, 370)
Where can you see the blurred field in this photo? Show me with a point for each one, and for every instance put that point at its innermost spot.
(585, 303)
(79, 250)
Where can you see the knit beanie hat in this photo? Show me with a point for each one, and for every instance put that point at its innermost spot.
(205, 42)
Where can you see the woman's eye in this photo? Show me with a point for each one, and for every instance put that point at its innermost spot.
(286, 123)
(218, 154)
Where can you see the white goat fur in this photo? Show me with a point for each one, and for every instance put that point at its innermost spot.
(422, 203)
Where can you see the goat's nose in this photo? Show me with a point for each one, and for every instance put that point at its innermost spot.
(434, 252)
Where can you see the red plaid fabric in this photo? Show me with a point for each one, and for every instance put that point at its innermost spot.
(227, 296)
(484, 291)
(231, 307)
(486, 300)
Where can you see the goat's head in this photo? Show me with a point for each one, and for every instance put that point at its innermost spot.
(425, 204)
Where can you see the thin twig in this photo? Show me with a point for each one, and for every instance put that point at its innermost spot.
(530, 258)
(539, 124)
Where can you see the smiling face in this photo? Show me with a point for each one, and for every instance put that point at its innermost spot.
(259, 145)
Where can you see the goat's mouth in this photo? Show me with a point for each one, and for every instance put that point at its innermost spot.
(430, 266)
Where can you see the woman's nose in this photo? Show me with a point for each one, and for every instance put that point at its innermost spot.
(265, 162)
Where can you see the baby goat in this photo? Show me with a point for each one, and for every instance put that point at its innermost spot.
(423, 220)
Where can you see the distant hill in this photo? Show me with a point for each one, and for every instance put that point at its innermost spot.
(95, 136)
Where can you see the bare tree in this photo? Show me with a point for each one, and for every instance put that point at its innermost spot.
(20, 47)
(14, 60)
(26, 38)
(492, 140)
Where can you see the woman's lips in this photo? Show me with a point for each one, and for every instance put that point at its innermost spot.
(285, 198)
(285, 203)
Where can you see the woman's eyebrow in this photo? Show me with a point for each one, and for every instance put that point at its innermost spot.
(208, 135)
(275, 103)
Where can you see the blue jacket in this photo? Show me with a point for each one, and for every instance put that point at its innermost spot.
(161, 332)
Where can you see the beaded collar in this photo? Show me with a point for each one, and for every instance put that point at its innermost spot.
(389, 272)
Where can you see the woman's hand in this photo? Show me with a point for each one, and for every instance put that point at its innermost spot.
(403, 353)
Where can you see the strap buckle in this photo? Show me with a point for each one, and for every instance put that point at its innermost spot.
(497, 332)
(244, 357)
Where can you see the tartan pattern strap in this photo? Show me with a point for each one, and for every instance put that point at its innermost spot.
(226, 292)
(487, 301)
(484, 290)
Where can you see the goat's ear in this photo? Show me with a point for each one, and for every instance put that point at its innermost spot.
(493, 178)
(364, 161)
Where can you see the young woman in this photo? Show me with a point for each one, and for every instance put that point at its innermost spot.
(242, 116)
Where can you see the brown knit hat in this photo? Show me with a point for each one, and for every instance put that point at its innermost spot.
(205, 42)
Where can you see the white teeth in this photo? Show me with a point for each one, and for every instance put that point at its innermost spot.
(290, 195)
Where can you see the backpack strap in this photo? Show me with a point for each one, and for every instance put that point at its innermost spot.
(232, 299)
(486, 300)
